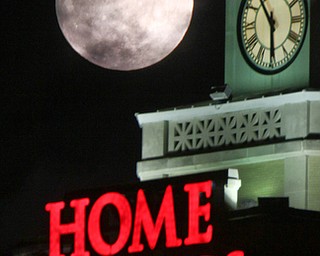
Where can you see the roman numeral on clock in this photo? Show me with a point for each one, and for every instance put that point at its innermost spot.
(252, 8)
(260, 54)
(293, 3)
(284, 50)
(252, 41)
(296, 19)
(250, 25)
(293, 37)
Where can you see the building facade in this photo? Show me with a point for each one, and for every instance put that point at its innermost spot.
(273, 141)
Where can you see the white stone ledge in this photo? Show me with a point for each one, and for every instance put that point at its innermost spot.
(192, 112)
(184, 165)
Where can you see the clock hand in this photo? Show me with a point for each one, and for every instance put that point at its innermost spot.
(269, 7)
(270, 20)
(272, 29)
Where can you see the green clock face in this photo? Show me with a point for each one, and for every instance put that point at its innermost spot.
(271, 32)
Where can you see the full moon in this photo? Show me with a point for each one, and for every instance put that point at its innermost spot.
(124, 34)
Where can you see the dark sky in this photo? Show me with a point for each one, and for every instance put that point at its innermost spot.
(67, 124)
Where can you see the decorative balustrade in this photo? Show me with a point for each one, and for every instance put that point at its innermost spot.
(224, 129)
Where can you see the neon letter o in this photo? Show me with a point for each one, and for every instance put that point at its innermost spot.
(123, 207)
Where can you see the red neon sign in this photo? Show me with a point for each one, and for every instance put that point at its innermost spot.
(234, 253)
(77, 227)
(124, 211)
(196, 211)
(143, 221)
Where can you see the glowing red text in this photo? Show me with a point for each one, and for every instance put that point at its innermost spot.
(142, 221)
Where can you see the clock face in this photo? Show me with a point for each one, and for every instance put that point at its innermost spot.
(271, 32)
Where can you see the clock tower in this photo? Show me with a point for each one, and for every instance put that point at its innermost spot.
(270, 46)
(270, 129)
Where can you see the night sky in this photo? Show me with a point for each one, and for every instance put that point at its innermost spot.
(67, 124)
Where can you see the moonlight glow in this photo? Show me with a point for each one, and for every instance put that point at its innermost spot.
(124, 34)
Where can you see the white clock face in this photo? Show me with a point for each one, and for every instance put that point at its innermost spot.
(271, 32)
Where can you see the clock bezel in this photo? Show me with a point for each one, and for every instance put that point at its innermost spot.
(249, 60)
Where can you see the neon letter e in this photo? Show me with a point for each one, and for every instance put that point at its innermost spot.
(196, 211)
